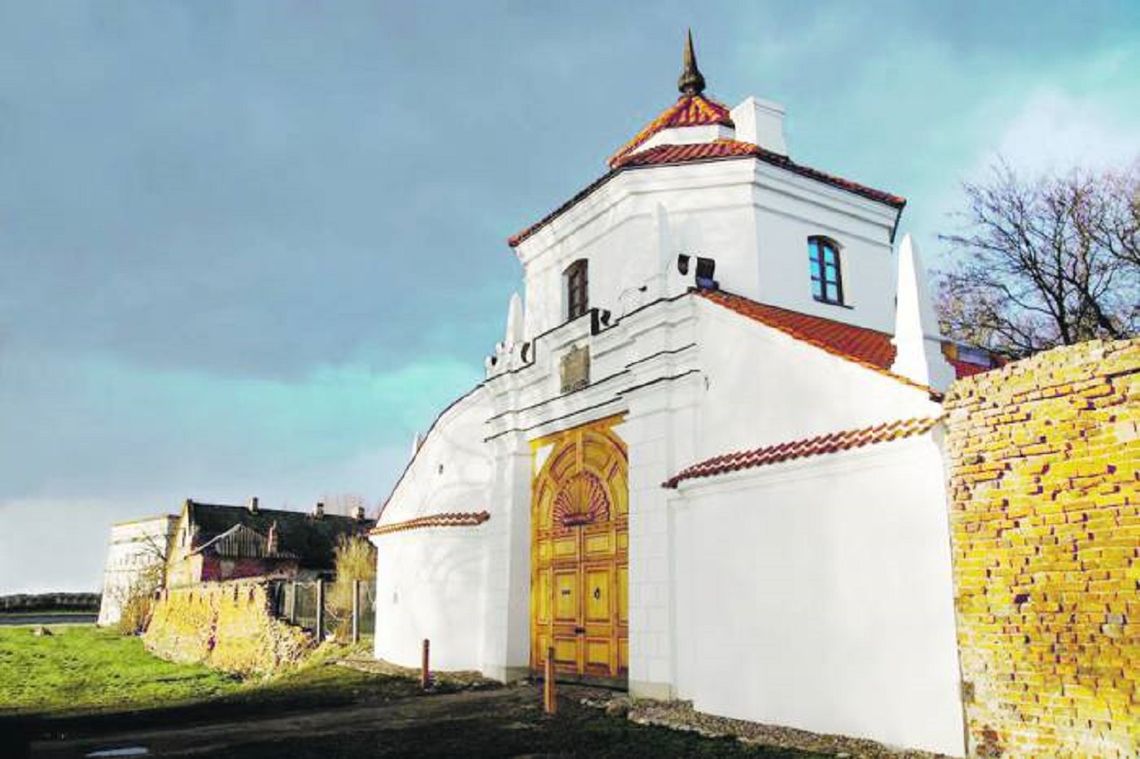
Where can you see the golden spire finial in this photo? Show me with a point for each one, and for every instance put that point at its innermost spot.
(691, 81)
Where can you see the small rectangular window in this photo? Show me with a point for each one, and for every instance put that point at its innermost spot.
(823, 266)
(577, 289)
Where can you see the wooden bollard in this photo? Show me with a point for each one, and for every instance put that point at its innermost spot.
(549, 697)
(425, 671)
(320, 609)
(356, 611)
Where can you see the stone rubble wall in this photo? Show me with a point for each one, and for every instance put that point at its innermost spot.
(1044, 467)
(225, 625)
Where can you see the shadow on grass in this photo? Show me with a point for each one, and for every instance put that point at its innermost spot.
(320, 684)
(508, 730)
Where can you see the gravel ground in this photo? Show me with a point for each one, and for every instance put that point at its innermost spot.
(680, 715)
(676, 715)
(450, 681)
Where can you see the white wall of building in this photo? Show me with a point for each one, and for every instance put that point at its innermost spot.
(765, 387)
(818, 594)
(754, 219)
(430, 582)
(789, 210)
(632, 229)
(815, 594)
(136, 553)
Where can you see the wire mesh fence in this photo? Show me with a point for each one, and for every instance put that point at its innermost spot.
(341, 609)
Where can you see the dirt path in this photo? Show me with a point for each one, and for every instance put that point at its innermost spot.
(506, 722)
(221, 738)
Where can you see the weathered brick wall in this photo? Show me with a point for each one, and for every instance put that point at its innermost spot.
(1044, 492)
(226, 625)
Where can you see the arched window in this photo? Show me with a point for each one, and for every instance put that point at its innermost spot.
(577, 289)
(823, 264)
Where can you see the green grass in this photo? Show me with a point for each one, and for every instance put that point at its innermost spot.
(84, 668)
(86, 681)
(85, 671)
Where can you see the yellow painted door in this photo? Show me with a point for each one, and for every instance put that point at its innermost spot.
(580, 554)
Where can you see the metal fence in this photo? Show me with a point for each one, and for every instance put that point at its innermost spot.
(344, 610)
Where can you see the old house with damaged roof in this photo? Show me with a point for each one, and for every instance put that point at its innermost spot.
(208, 542)
(220, 542)
(704, 462)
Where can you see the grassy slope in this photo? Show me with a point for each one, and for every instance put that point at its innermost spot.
(80, 667)
(84, 670)
(83, 680)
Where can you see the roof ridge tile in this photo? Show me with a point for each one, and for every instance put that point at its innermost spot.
(832, 442)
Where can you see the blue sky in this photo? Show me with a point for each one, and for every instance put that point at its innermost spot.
(252, 248)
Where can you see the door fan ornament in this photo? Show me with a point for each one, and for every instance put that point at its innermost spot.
(581, 500)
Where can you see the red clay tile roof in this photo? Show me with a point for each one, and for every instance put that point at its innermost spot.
(867, 347)
(689, 110)
(965, 368)
(707, 151)
(798, 449)
(718, 150)
(450, 519)
(661, 155)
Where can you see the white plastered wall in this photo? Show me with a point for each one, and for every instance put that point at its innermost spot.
(134, 554)
(790, 209)
(631, 230)
(755, 386)
(431, 582)
(752, 218)
(765, 387)
(818, 594)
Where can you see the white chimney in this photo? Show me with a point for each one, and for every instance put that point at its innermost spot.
(918, 343)
(760, 122)
(319, 510)
(253, 505)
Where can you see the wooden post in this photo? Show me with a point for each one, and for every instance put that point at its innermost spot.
(320, 609)
(356, 611)
(425, 671)
(549, 697)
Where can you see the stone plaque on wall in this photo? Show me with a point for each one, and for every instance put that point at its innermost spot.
(575, 368)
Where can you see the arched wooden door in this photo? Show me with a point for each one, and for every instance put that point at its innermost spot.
(580, 554)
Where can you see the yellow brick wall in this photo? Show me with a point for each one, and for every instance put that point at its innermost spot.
(226, 625)
(1044, 460)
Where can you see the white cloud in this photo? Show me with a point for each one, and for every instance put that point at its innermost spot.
(1056, 130)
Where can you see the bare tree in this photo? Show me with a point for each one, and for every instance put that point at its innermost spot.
(1046, 262)
(136, 597)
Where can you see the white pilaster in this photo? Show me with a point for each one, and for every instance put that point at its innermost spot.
(659, 430)
(506, 641)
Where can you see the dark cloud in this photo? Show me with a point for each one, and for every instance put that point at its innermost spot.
(208, 209)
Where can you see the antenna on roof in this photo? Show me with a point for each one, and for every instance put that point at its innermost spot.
(692, 82)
